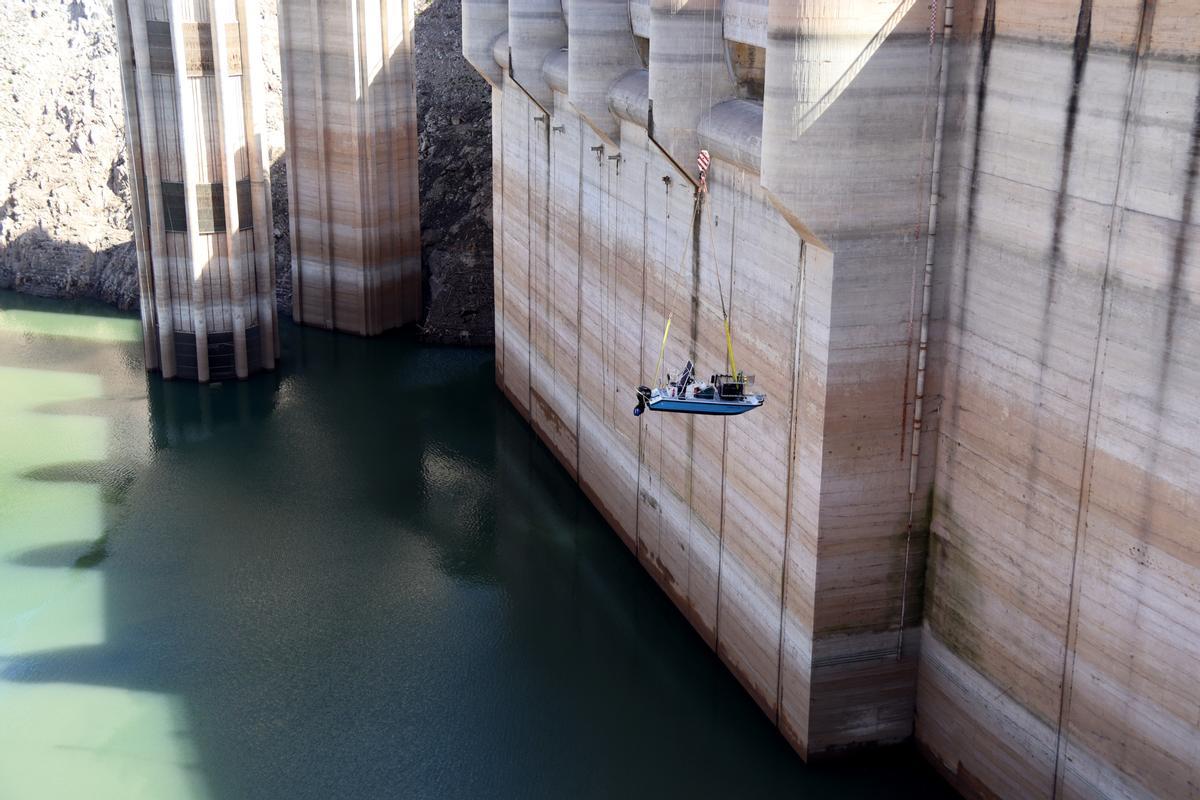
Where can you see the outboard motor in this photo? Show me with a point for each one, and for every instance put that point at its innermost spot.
(643, 395)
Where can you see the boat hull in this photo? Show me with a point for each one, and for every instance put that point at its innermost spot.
(716, 408)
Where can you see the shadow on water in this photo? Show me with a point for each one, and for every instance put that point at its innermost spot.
(359, 577)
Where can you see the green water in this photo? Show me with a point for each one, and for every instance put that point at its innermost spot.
(358, 577)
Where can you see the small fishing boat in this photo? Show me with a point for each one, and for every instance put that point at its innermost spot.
(723, 395)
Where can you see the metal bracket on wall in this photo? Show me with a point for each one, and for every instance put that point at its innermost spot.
(617, 158)
(599, 151)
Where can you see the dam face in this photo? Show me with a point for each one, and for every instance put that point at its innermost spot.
(1007, 380)
(1062, 620)
(782, 534)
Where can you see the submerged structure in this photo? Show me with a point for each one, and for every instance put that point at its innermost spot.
(960, 245)
(350, 117)
(197, 176)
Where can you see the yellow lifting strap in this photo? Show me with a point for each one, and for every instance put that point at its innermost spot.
(662, 350)
(729, 349)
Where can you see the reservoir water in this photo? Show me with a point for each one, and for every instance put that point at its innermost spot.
(358, 577)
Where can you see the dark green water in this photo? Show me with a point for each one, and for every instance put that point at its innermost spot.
(359, 577)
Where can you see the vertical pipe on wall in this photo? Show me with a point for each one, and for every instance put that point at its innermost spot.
(935, 181)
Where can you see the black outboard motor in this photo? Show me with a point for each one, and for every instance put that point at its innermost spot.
(643, 395)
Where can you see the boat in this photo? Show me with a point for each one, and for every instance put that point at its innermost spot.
(698, 405)
(722, 395)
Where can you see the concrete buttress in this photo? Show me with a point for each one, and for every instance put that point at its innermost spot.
(201, 199)
(351, 130)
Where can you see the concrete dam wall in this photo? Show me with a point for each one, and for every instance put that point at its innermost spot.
(1062, 618)
(1007, 380)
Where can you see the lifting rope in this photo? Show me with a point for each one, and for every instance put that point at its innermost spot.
(698, 205)
(702, 161)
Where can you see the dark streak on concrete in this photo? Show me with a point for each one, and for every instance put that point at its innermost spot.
(1175, 299)
(987, 37)
(1067, 682)
(1083, 38)
(1145, 27)
(1179, 252)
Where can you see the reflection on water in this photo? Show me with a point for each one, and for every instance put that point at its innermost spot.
(358, 577)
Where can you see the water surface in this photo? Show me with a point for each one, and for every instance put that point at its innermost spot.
(358, 577)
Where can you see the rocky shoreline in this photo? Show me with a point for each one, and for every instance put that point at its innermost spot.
(65, 219)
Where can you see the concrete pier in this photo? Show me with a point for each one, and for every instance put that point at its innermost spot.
(351, 129)
(960, 269)
(202, 205)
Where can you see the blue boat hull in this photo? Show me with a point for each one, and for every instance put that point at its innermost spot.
(722, 408)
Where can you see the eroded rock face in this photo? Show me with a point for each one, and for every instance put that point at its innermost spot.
(64, 209)
(65, 221)
(455, 150)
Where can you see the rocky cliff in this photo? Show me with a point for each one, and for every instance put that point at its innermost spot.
(64, 212)
(455, 151)
(64, 202)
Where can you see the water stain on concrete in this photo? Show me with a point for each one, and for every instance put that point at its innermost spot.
(1083, 37)
(1176, 297)
(1179, 251)
(1079, 57)
(987, 37)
